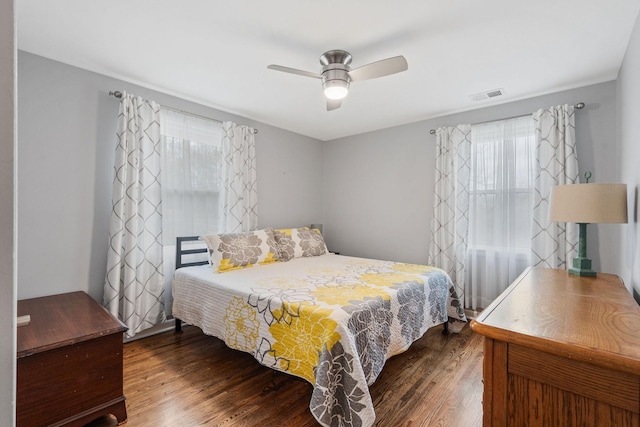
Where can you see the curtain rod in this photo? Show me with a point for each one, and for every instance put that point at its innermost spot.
(118, 94)
(578, 106)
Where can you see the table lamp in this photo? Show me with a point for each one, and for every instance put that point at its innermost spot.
(587, 204)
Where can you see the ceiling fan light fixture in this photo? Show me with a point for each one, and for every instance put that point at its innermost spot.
(337, 74)
(336, 89)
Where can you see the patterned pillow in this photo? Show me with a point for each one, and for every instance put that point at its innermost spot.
(239, 250)
(299, 242)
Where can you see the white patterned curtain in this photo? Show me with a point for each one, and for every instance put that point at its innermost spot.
(553, 244)
(133, 289)
(450, 221)
(239, 186)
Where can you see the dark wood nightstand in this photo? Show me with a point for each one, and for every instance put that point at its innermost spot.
(69, 367)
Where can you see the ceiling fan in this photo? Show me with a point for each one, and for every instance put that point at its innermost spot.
(336, 74)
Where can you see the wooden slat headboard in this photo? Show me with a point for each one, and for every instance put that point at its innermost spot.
(180, 252)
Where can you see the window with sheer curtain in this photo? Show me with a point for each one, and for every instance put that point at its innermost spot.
(191, 157)
(500, 207)
(191, 161)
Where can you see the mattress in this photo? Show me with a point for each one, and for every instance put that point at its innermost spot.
(332, 320)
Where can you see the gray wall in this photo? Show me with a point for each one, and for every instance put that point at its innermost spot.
(628, 90)
(378, 186)
(373, 192)
(7, 270)
(67, 125)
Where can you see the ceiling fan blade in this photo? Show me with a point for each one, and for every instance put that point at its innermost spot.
(294, 71)
(333, 104)
(380, 68)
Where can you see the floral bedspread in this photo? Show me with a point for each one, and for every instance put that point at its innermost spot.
(332, 320)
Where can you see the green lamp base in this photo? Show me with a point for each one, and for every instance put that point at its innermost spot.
(582, 267)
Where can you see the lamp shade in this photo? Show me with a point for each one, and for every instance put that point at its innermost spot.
(589, 203)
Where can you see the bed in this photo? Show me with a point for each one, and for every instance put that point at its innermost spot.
(332, 320)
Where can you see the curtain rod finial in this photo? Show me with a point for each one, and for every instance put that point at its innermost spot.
(115, 93)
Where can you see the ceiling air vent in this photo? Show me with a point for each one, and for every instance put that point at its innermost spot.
(487, 95)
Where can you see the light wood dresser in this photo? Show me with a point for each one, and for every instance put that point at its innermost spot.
(69, 362)
(561, 350)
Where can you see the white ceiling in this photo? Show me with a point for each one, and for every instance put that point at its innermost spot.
(216, 52)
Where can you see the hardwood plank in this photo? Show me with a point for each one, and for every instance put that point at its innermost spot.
(191, 379)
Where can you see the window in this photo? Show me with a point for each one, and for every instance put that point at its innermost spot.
(191, 161)
(191, 156)
(500, 207)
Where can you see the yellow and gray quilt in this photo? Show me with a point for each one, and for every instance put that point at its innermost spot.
(332, 320)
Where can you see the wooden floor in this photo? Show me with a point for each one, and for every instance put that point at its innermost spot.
(191, 379)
